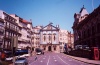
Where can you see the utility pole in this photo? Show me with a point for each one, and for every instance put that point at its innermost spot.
(31, 36)
(14, 41)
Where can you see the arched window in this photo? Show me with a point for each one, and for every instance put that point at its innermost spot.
(93, 30)
(54, 38)
(49, 37)
(44, 38)
(98, 27)
(88, 32)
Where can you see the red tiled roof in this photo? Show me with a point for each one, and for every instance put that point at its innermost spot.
(25, 21)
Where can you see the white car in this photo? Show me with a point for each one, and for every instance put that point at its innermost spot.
(38, 53)
(21, 61)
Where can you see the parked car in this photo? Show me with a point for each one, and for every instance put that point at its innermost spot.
(7, 52)
(77, 47)
(21, 52)
(86, 47)
(21, 61)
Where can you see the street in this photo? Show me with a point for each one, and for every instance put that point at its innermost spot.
(51, 58)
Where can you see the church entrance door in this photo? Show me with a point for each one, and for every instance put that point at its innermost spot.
(49, 48)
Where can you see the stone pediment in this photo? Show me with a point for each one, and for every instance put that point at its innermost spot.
(50, 27)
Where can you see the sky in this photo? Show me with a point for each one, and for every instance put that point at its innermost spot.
(42, 12)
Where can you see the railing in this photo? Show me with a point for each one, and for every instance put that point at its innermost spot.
(12, 28)
(83, 53)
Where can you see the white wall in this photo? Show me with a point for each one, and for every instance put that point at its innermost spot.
(1, 14)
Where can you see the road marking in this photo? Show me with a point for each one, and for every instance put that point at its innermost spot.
(41, 61)
(48, 60)
(43, 58)
(55, 60)
(63, 60)
(54, 56)
(70, 60)
(34, 61)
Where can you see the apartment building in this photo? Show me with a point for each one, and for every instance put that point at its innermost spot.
(11, 30)
(1, 32)
(36, 37)
(63, 39)
(26, 32)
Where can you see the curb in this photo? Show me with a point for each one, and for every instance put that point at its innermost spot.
(81, 60)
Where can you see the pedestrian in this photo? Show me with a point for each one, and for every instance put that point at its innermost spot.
(35, 58)
(3, 56)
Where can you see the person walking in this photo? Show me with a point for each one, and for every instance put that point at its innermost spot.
(3, 56)
(35, 58)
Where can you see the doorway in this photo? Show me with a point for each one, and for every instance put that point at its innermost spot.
(49, 48)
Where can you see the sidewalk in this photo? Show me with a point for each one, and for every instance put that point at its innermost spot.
(86, 60)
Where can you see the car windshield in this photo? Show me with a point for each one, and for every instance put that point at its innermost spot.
(38, 50)
(21, 59)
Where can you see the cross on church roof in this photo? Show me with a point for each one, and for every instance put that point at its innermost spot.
(50, 23)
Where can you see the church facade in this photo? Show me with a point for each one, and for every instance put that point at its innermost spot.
(49, 38)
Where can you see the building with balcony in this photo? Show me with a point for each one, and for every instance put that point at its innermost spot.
(86, 28)
(24, 40)
(72, 40)
(1, 31)
(11, 29)
(63, 39)
(36, 37)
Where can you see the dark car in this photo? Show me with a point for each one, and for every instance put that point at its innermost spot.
(21, 52)
(8, 53)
